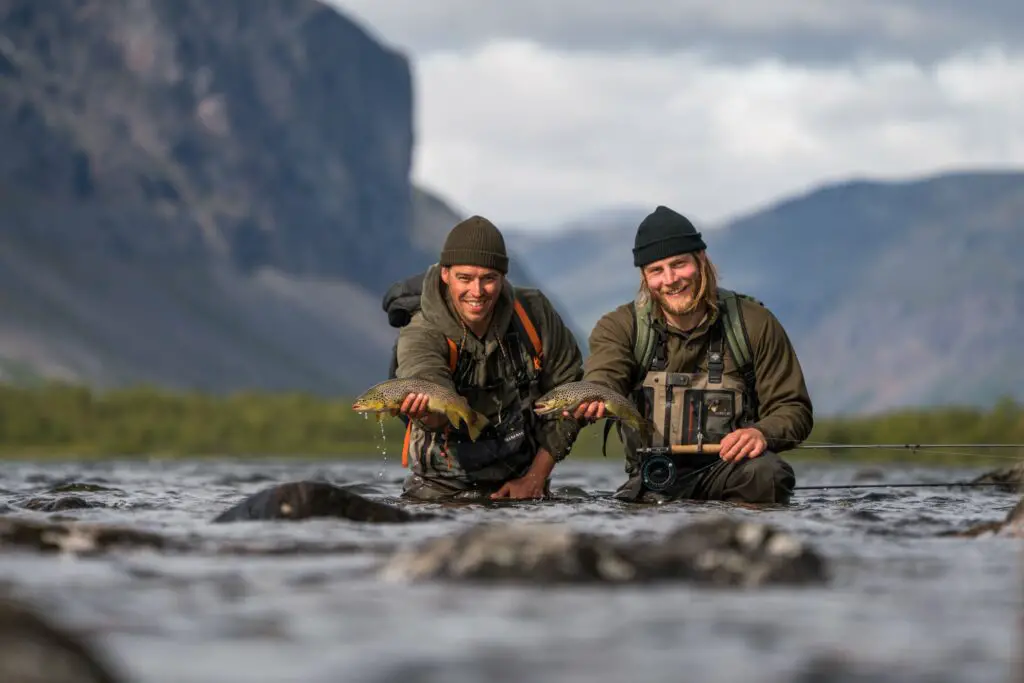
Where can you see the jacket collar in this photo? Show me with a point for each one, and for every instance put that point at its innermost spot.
(438, 312)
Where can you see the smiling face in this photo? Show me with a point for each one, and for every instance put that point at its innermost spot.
(675, 283)
(474, 292)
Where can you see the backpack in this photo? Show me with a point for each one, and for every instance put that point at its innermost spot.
(401, 302)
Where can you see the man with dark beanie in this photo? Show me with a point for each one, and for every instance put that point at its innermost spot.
(711, 369)
(502, 348)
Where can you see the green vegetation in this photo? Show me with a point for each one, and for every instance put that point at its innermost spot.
(58, 420)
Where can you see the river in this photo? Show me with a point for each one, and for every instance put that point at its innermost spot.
(268, 602)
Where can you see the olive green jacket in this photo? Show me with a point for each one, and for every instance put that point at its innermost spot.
(785, 413)
(423, 353)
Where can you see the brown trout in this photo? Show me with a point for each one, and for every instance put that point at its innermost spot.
(389, 395)
(570, 395)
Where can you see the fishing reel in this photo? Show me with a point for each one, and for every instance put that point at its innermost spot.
(659, 466)
(658, 471)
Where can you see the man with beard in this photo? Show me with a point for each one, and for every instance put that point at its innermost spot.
(501, 347)
(705, 366)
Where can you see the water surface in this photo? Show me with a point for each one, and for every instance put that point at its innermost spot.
(270, 602)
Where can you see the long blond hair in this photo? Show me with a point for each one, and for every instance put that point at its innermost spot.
(707, 285)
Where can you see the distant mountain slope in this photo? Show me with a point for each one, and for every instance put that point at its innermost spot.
(202, 195)
(896, 294)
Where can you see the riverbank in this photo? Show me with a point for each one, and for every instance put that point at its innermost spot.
(62, 421)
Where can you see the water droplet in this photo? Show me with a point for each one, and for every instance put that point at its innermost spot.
(383, 451)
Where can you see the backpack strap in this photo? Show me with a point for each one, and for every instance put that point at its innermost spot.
(453, 362)
(643, 339)
(531, 333)
(736, 337)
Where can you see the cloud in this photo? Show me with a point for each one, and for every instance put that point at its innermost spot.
(528, 135)
(725, 30)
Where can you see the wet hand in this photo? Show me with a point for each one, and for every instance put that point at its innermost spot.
(742, 443)
(590, 411)
(416, 407)
(527, 487)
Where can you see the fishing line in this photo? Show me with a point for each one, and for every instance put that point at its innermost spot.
(933, 448)
(824, 487)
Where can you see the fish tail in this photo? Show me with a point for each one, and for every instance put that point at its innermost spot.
(475, 422)
(634, 419)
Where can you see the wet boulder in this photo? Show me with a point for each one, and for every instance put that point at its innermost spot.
(77, 537)
(1012, 525)
(1009, 479)
(308, 499)
(551, 553)
(720, 551)
(34, 649)
(57, 504)
(731, 552)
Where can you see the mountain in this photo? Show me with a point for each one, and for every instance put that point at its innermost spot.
(202, 195)
(895, 293)
(215, 196)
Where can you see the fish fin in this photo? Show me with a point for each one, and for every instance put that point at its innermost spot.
(646, 429)
(604, 441)
(475, 422)
(454, 415)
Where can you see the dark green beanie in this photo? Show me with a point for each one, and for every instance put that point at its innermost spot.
(475, 242)
(662, 234)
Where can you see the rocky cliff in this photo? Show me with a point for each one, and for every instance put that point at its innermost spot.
(202, 194)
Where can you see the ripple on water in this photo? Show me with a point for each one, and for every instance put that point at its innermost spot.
(261, 601)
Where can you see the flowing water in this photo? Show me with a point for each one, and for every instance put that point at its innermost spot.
(258, 602)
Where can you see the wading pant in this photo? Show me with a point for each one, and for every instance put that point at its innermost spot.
(417, 487)
(765, 479)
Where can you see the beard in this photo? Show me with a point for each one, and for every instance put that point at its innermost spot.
(672, 302)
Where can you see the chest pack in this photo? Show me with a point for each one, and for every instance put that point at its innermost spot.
(523, 361)
(685, 406)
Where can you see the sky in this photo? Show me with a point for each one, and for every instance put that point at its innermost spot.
(536, 112)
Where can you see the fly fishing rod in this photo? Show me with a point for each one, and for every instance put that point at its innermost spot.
(659, 471)
(711, 448)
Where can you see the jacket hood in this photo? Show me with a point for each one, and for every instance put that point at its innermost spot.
(439, 313)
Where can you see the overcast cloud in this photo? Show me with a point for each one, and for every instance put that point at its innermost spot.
(533, 112)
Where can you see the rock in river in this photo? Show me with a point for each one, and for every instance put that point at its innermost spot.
(717, 551)
(35, 650)
(306, 499)
(1009, 479)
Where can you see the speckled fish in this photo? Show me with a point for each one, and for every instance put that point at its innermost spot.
(389, 395)
(570, 395)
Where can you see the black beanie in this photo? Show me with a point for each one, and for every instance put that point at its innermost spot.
(475, 242)
(662, 234)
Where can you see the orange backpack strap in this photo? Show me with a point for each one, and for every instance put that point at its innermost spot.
(453, 361)
(453, 355)
(531, 332)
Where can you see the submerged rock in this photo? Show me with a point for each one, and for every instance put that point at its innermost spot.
(720, 551)
(1009, 479)
(57, 504)
(74, 537)
(33, 649)
(844, 668)
(534, 552)
(731, 552)
(306, 499)
(1012, 525)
